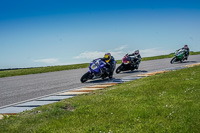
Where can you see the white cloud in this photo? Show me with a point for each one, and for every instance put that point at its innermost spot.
(90, 55)
(120, 48)
(48, 61)
(118, 53)
(98, 54)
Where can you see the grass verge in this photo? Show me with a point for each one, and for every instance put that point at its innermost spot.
(26, 71)
(167, 102)
(9, 73)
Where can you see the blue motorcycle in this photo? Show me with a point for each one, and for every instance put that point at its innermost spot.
(97, 69)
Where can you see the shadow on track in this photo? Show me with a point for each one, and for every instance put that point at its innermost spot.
(185, 62)
(133, 71)
(99, 80)
(190, 62)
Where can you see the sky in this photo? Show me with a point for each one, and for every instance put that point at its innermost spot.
(37, 33)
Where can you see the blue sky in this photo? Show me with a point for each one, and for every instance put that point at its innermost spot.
(36, 33)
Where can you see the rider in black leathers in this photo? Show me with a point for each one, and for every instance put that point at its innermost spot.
(187, 51)
(110, 64)
(137, 58)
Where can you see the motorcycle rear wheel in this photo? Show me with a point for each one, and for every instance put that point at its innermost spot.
(182, 60)
(84, 78)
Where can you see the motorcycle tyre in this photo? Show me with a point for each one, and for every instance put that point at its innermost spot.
(118, 70)
(84, 78)
(173, 60)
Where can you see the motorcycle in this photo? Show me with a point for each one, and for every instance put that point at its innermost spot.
(179, 55)
(97, 69)
(126, 64)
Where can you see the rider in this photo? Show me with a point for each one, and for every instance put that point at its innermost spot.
(110, 61)
(187, 50)
(136, 58)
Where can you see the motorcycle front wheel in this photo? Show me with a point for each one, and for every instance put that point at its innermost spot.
(118, 70)
(84, 78)
(173, 60)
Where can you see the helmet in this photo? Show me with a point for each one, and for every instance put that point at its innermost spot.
(107, 57)
(136, 52)
(185, 46)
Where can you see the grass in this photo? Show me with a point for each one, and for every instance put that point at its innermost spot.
(8, 73)
(167, 102)
(194, 53)
(26, 71)
(157, 57)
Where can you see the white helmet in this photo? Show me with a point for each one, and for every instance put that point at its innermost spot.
(136, 52)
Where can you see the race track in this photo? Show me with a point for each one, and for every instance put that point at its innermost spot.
(21, 88)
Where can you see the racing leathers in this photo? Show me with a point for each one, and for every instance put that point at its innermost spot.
(135, 58)
(187, 52)
(110, 66)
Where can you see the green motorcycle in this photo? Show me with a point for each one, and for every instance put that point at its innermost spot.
(179, 55)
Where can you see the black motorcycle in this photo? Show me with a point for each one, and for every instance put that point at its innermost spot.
(127, 64)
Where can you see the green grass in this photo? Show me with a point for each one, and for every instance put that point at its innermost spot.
(8, 73)
(167, 102)
(157, 57)
(194, 53)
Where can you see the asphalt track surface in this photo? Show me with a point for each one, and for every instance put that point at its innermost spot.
(22, 88)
